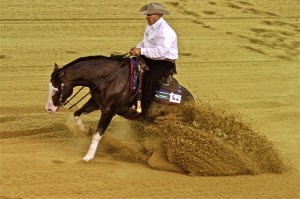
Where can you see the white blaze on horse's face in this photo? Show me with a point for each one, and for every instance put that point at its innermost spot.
(50, 106)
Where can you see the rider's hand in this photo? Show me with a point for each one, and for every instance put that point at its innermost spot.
(135, 51)
(130, 51)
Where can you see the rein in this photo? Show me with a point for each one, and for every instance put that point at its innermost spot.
(80, 99)
(126, 58)
(73, 96)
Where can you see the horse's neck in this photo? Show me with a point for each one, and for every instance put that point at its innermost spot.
(86, 73)
(77, 75)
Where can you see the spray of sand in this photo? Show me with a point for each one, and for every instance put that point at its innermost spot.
(198, 140)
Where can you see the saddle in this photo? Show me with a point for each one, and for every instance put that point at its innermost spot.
(138, 66)
(169, 84)
(169, 92)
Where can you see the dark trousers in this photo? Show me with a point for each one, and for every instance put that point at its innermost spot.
(158, 69)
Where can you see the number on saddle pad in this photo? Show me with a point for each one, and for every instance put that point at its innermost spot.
(168, 97)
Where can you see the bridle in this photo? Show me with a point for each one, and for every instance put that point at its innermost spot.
(60, 101)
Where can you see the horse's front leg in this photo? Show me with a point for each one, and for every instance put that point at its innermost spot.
(105, 120)
(88, 107)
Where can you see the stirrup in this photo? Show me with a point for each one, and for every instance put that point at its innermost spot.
(139, 108)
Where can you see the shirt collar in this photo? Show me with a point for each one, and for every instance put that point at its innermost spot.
(157, 24)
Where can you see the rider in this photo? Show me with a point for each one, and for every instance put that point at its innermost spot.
(159, 50)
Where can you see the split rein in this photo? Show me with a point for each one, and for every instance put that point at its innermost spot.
(126, 58)
(75, 96)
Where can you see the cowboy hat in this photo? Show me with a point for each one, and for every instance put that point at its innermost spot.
(153, 8)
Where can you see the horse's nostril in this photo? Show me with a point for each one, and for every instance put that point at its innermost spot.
(49, 110)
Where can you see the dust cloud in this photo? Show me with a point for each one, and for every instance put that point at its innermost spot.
(198, 140)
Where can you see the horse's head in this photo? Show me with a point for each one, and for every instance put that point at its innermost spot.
(59, 90)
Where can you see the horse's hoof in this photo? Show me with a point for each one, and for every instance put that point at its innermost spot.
(87, 159)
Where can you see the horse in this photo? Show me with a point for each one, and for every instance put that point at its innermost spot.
(108, 79)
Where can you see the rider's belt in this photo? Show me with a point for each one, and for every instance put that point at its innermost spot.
(170, 60)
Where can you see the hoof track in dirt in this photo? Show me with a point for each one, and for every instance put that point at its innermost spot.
(58, 161)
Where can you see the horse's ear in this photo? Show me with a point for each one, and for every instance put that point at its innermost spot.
(55, 67)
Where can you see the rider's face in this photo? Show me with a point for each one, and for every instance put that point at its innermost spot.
(152, 18)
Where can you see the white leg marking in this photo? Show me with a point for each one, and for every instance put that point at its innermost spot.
(80, 124)
(93, 147)
(86, 130)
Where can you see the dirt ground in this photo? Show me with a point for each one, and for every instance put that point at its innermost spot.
(240, 59)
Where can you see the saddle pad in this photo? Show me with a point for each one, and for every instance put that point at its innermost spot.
(168, 97)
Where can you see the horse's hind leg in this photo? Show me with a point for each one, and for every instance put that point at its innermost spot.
(88, 107)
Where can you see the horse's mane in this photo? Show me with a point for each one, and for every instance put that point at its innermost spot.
(113, 57)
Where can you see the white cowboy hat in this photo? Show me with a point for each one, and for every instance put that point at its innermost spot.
(153, 8)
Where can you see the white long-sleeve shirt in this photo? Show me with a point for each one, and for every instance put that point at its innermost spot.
(159, 42)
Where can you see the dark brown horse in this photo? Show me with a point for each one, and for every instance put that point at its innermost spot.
(108, 79)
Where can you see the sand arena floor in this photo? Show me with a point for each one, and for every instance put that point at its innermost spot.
(240, 59)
